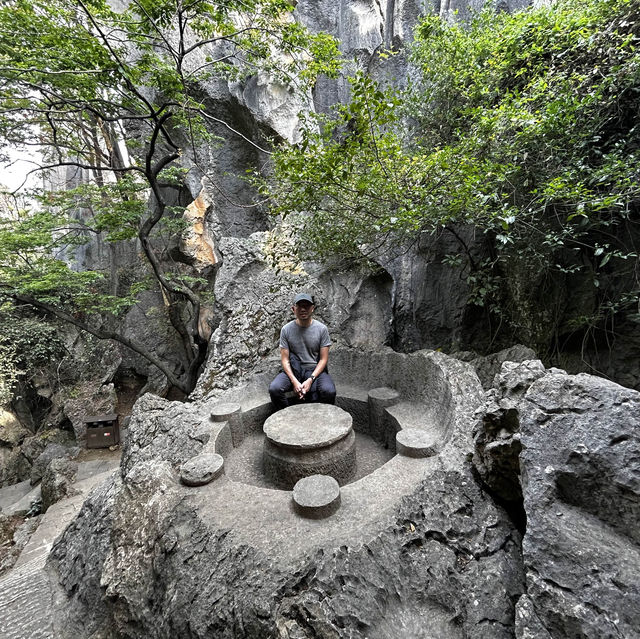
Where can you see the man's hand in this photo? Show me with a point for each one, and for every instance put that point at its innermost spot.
(299, 389)
(304, 388)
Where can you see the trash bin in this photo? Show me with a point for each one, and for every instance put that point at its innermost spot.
(102, 430)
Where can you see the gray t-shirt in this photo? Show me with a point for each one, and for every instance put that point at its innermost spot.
(305, 341)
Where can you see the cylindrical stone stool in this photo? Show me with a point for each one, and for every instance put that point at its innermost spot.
(232, 413)
(379, 399)
(316, 497)
(413, 442)
(309, 439)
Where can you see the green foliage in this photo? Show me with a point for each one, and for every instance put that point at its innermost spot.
(27, 346)
(523, 125)
(114, 93)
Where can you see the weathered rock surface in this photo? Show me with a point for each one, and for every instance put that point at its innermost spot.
(447, 549)
(164, 430)
(57, 480)
(568, 447)
(12, 432)
(581, 486)
(16, 463)
(253, 301)
(15, 532)
(491, 365)
(51, 452)
(430, 554)
(498, 443)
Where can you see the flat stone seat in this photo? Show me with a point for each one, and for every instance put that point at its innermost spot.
(309, 439)
(224, 410)
(202, 469)
(415, 442)
(308, 426)
(385, 395)
(316, 497)
(230, 412)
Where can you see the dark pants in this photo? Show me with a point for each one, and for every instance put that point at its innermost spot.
(322, 390)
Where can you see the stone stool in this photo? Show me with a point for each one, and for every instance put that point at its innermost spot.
(201, 469)
(232, 413)
(413, 442)
(379, 399)
(316, 497)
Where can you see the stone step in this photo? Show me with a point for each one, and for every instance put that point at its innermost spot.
(9, 495)
(25, 592)
(25, 602)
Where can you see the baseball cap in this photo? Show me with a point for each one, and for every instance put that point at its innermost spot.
(302, 297)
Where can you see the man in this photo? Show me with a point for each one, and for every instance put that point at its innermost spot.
(304, 353)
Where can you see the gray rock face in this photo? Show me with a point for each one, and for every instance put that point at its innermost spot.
(51, 452)
(488, 367)
(253, 301)
(498, 442)
(16, 463)
(567, 446)
(427, 553)
(12, 432)
(581, 486)
(455, 554)
(57, 480)
(164, 430)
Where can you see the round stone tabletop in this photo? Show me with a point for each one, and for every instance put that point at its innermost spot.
(307, 426)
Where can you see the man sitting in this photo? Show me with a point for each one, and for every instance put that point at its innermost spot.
(304, 353)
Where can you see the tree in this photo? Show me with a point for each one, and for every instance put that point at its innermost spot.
(112, 93)
(522, 125)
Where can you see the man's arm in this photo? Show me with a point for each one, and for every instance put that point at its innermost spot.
(323, 360)
(286, 367)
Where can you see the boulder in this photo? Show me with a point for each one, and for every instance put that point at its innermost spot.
(15, 464)
(160, 430)
(49, 454)
(489, 366)
(580, 473)
(497, 437)
(15, 532)
(12, 432)
(564, 449)
(57, 480)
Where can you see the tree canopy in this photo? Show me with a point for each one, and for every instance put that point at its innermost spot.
(111, 92)
(523, 125)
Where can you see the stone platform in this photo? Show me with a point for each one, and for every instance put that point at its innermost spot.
(309, 439)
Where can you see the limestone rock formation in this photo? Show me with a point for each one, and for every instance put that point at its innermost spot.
(12, 432)
(431, 556)
(254, 298)
(438, 559)
(568, 446)
(52, 452)
(57, 480)
(581, 486)
(16, 463)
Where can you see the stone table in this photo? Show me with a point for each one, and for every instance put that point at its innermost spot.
(309, 439)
